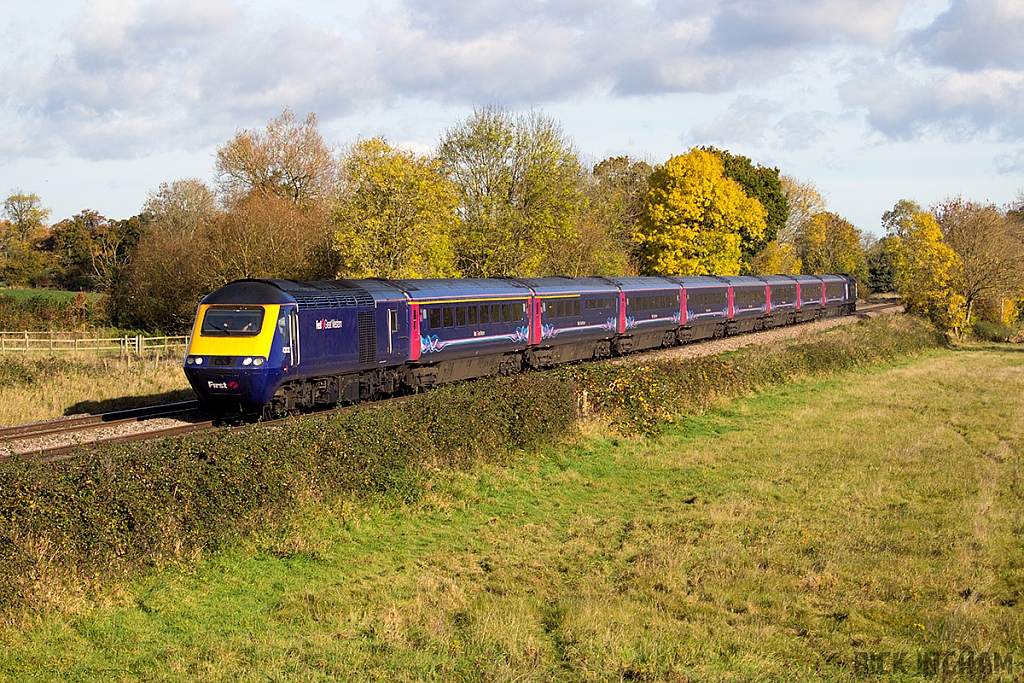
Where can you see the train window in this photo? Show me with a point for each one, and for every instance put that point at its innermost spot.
(460, 316)
(495, 313)
(607, 303)
(449, 316)
(506, 313)
(559, 309)
(517, 312)
(589, 304)
(471, 315)
(576, 308)
(243, 321)
(435, 318)
(485, 315)
(646, 303)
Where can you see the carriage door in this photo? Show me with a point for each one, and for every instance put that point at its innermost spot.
(293, 336)
(392, 329)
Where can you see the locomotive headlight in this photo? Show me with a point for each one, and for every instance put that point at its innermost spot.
(199, 361)
(247, 361)
(190, 360)
(258, 361)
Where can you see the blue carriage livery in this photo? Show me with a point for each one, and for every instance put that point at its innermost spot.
(281, 345)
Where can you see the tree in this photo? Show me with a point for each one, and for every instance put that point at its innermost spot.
(763, 184)
(830, 244)
(882, 275)
(695, 218)
(520, 189)
(777, 258)
(27, 216)
(926, 267)
(601, 241)
(395, 216)
(991, 263)
(91, 251)
(183, 206)
(289, 159)
(803, 201)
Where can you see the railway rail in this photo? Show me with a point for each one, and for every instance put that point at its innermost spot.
(55, 440)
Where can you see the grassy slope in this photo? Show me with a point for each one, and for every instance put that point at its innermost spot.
(41, 387)
(54, 295)
(736, 546)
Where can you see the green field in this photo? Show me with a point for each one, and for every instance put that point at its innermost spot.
(782, 536)
(57, 296)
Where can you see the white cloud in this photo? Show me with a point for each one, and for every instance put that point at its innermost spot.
(1010, 164)
(132, 77)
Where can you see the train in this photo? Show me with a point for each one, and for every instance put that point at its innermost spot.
(271, 346)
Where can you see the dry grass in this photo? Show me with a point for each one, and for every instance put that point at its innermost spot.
(37, 388)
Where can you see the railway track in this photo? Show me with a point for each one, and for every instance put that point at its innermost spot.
(55, 440)
(52, 438)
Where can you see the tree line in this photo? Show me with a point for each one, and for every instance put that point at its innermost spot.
(504, 194)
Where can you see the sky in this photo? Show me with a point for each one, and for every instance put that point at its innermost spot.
(871, 100)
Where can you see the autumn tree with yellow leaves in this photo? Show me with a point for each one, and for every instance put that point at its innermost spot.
(395, 216)
(927, 269)
(696, 218)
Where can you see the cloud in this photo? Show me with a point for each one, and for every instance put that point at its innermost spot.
(960, 77)
(957, 105)
(974, 35)
(760, 123)
(1007, 164)
(132, 77)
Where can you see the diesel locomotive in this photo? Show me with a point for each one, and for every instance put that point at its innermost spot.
(266, 345)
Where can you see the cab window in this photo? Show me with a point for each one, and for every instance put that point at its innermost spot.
(243, 321)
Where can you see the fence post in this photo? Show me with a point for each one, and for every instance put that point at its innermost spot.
(51, 342)
(26, 341)
(138, 344)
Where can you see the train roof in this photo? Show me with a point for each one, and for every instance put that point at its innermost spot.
(633, 284)
(698, 280)
(440, 289)
(557, 285)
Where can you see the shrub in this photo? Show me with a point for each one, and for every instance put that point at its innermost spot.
(984, 330)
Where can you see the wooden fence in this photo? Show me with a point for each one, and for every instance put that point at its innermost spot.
(54, 342)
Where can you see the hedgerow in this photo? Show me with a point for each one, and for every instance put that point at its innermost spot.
(641, 398)
(82, 522)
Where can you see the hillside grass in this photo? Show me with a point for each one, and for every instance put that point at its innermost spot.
(53, 295)
(772, 537)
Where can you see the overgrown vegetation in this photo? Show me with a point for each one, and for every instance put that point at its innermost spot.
(90, 519)
(772, 538)
(87, 520)
(43, 311)
(641, 398)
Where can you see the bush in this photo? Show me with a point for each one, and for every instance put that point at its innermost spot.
(984, 330)
(42, 313)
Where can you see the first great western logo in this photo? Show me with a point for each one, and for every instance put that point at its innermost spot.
(325, 324)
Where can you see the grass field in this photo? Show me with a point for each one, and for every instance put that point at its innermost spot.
(780, 537)
(55, 295)
(44, 387)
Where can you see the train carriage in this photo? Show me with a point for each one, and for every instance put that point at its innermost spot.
(748, 304)
(705, 307)
(466, 328)
(650, 312)
(572, 319)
